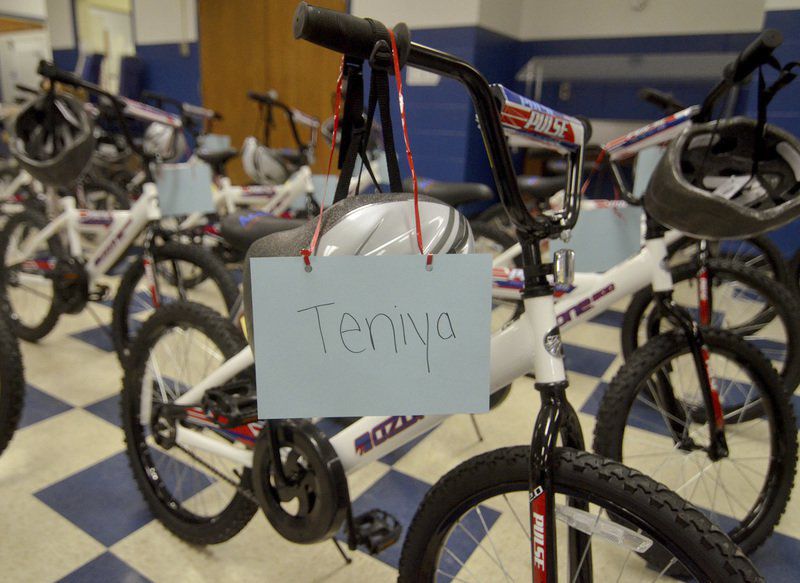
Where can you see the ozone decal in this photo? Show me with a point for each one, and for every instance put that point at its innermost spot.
(384, 430)
(583, 306)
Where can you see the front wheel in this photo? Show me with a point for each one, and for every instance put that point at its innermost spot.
(652, 418)
(474, 525)
(27, 285)
(745, 301)
(135, 297)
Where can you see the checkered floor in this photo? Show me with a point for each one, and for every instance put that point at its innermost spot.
(69, 509)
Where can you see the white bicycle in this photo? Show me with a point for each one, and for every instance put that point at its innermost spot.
(204, 463)
(48, 271)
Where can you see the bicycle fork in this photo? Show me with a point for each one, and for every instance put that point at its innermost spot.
(556, 417)
(681, 319)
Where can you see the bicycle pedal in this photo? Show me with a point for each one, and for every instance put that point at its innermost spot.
(231, 405)
(100, 293)
(376, 530)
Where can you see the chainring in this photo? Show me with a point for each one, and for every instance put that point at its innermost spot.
(312, 505)
(71, 285)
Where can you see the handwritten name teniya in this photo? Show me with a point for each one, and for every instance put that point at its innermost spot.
(382, 331)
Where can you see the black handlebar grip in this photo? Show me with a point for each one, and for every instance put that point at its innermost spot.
(756, 53)
(345, 33)
(53, 73)
(266, 98)
(587, 127)
(333, 30)
(663, 101)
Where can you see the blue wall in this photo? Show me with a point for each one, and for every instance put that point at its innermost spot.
(168, 72)
(66, 59)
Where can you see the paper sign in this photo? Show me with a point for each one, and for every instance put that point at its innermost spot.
(184, 188)
(362, 336)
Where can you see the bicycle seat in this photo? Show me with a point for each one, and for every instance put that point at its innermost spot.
(217, 158)
(240, 229)
(541, 188)
(452, 193)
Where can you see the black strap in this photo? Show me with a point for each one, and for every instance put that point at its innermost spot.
(379, 93)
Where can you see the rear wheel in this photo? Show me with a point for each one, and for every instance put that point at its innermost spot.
(474, 525)
(27, 288)
(201, 497)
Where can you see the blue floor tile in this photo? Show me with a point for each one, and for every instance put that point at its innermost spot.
(107, 409)
(102, 500)
(395, 456)
(97, 337)
(777, 559)
(609, 318)
(105, 568)
(40, 406)
(586, 360)
(398, 494)
(592, 404)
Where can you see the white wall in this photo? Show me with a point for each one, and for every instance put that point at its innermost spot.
(24, 8)
(421, 13)
(559, 19)
(554, 19)
(165, 21)
(59, 24)
(782, 5)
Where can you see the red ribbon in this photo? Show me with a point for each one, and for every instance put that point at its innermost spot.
(399, 81)
(307, 252)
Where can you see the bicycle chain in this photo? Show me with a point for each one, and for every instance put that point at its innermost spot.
(243, 491)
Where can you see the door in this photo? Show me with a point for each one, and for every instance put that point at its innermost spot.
(249, 45)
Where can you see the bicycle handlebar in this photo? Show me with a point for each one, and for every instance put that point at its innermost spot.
(755, 54)
(361, 38)
(268, 98)
(347, 34)
(662, 100)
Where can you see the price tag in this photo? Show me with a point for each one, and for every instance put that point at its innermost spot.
(360, 336)
(185, 188)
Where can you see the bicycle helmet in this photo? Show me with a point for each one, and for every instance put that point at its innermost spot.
(704, 184)
(265, 165)
(53, 138)
(164, 141)
(376, 224)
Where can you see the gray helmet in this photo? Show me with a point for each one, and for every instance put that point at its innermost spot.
(704, 184)
(377, 224)
(264, 165)
(53, 138)
(164, 141)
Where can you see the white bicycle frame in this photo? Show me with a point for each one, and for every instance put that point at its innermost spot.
(8, 202)
(118, 229)
(516, 350)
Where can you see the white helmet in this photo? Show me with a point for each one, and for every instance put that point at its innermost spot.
(375, 224)
(264, 165)
(166, 142)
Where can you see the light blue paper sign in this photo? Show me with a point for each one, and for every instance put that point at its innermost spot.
(361, 336)
(185, 188)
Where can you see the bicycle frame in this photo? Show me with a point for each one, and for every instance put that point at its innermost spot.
(119, 229)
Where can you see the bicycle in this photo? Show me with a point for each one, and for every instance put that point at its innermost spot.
(296, 474)
(47, 272)
(739, 297)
